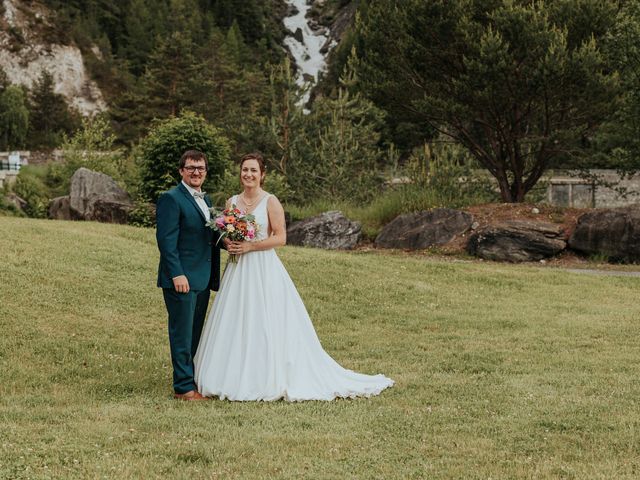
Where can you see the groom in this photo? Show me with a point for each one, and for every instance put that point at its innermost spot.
(189, 266)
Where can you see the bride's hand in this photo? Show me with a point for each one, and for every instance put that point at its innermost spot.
(238, 248)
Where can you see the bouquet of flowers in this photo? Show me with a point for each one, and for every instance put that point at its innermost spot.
(235, 224)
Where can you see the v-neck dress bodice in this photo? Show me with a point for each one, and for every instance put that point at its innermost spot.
(261, 215)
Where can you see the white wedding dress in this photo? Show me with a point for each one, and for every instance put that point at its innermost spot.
(258, 342)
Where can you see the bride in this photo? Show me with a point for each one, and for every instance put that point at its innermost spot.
(258, 342)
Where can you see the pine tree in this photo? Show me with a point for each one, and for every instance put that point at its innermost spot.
(338, 155)
(140, 36)
(174, 78)
(249, 15)
(285, 116)
(235, 88)
(518, 83)
(49, 116)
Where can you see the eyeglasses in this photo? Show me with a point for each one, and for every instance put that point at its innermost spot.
(191, 169)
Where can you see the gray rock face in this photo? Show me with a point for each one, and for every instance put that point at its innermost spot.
(329, 230)
(59, 208)
(517, 241)
(424, 229)
(94, 196)
(612, 232)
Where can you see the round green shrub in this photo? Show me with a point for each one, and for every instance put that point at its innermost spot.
(161, 150)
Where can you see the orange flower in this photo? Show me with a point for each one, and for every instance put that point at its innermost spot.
(230, 219)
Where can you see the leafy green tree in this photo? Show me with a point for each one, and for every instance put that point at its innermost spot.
(161, 150)
(49, 117)
(333, 151)
(14, 118)
(91, 146)
(518, 83)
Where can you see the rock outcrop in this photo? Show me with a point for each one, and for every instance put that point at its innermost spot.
(517, 241)
(25, 60)
(94, 196)
(424, 229)
(59, 208)
(614, 233)
(329, 230)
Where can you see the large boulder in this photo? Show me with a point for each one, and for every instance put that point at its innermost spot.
(517, 241)
(611, 232)
(93, 196)
(59, 208)
(329, 230)
(424, 229)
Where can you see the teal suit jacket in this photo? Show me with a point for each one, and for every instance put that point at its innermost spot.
(187, 246)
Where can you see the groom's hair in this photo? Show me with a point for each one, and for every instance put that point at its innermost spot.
(195, 155)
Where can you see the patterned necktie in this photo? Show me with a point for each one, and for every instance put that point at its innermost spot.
(199, 195)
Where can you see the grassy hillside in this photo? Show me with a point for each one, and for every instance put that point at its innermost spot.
(502, 371)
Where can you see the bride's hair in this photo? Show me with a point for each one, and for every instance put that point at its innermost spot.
(258, 158)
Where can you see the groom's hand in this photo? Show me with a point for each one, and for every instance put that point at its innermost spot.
(181, 284)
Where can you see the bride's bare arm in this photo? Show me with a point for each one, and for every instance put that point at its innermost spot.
(278, 235)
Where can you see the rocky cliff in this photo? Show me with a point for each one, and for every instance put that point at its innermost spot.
(27, 46)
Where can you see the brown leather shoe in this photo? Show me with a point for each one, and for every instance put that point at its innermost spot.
(189, 396)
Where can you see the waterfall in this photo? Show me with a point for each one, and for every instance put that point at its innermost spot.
(305, 45)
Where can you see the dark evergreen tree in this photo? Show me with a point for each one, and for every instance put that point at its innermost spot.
(518, 83)
(619, 142)
(235, 88)
(249, 14)
(50, 116)
(140, 36)
(174, 77)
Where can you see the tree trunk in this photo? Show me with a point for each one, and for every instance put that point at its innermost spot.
(505, 189)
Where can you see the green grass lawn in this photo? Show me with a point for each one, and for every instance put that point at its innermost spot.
(501, 371)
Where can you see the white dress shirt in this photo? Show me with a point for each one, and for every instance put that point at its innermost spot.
(200, 201)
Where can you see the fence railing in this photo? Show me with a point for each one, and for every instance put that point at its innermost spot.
(7, 165)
